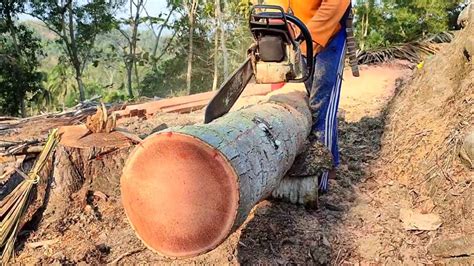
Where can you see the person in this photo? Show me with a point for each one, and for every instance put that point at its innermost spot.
(326, 20)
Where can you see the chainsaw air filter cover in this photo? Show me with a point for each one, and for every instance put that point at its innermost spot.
(289, 68)
(271, 48)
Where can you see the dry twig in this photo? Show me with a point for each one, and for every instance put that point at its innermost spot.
(126, 254)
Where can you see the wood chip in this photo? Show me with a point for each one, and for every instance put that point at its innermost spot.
(413, 220)
(129, 135)
(101, 195)
(427, 206)
(42, 243)
(100, 121)
(453, 247)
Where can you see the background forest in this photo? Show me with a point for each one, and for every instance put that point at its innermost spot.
(57, 53)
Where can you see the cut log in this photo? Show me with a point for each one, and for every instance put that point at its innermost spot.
(163, 103)
(187, 189)
(186, 107)
(184, 104)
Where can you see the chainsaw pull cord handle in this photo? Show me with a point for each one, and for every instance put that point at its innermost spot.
(305, 35)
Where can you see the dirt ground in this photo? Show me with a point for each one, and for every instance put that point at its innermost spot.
(367, 95)
(97, 231)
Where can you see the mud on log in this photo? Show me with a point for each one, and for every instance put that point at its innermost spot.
(187, 189)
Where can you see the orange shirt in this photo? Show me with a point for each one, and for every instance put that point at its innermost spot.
(322, 17)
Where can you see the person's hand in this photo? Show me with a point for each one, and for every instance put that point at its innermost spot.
(294, 31)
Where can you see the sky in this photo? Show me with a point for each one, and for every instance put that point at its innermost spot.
(154, 7)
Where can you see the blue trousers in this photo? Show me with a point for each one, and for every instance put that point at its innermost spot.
(324, 93)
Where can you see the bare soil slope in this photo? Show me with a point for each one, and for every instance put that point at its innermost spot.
(420, 168)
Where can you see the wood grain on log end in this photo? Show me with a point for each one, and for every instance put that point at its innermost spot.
(180, 194)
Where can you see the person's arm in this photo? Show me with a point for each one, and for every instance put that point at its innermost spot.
(324, 22)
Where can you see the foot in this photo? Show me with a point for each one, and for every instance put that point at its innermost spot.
(301, 184)
(298, 190)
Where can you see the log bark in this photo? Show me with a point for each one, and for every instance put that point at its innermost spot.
(187, 189)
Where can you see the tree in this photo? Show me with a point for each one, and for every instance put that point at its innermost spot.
(368, 16)
(60, 84)
(225, 54)
(77, 25)
(237, 37)
(387, 22)
(162, 24)
(170, 53)
(170, 78)
(219, 38)
(217, 11)
(19, 51)
(135, 9)
(190, 6)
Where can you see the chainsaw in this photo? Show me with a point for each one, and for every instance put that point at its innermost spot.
(274, 57)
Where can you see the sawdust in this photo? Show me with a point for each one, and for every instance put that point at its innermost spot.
(144, 127)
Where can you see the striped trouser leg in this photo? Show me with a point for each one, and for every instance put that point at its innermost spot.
(324, 96)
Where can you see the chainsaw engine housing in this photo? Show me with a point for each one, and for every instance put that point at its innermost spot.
(277, 63)
(276, 54)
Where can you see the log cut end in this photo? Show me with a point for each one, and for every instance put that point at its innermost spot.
(180, 194)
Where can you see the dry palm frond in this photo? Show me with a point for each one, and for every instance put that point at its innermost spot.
(101, 121)
(14, 206)
(413, 52)
(442, 37)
